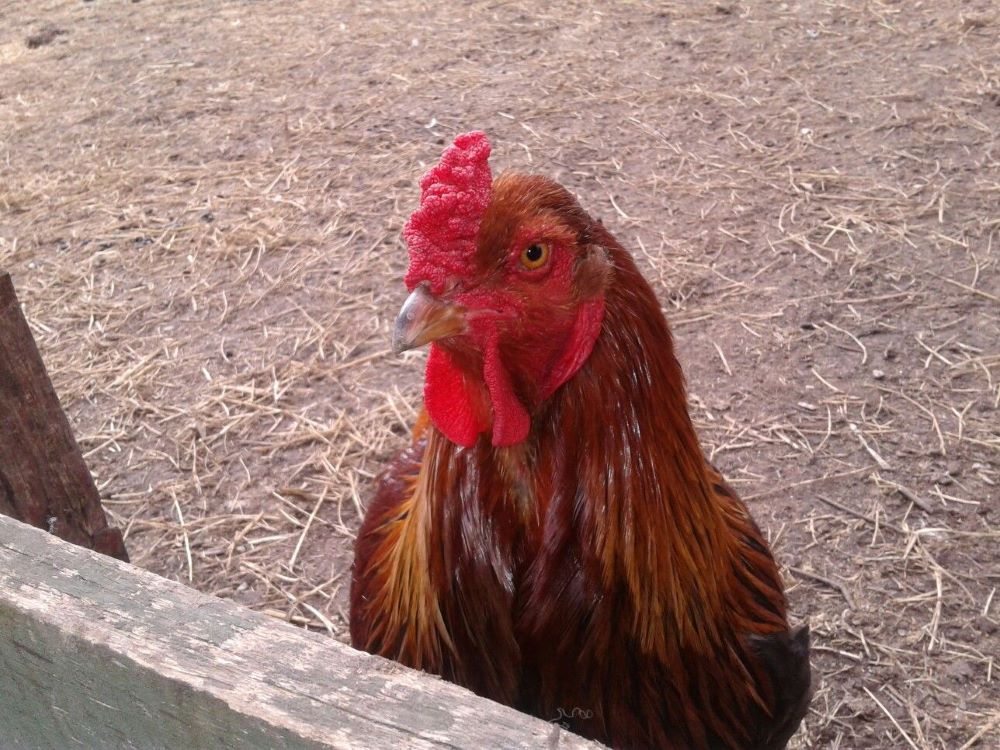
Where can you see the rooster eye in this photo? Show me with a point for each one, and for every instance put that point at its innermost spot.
(535, 255)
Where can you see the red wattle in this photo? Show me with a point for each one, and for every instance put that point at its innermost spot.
(452, 400)
(511, 421)
(461, 408)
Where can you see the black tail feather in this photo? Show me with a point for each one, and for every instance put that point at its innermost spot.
(785, 658)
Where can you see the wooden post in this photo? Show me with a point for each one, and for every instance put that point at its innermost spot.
(43, 478)
(98, 654)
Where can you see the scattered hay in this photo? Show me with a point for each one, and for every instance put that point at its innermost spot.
(201, 203)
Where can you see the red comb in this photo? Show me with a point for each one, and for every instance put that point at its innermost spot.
(441, 233)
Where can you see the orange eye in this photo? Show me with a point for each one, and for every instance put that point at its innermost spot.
(535, 255)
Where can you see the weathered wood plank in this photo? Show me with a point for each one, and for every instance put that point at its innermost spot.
(43, 478)
(96, 654)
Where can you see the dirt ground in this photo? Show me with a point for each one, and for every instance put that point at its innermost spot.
(200, 204)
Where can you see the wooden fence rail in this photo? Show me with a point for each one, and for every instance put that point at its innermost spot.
(95, 653)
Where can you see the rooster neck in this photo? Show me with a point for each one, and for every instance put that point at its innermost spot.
(661, 536)
(652, 517)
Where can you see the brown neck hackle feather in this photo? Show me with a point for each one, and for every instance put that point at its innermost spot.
(659, 518)
(432, 578)
(408, 577)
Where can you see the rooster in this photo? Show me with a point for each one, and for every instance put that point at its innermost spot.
(554, 538)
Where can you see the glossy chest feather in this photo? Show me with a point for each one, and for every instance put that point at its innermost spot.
(510, 594)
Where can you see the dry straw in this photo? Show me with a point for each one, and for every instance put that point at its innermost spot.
(201, 202)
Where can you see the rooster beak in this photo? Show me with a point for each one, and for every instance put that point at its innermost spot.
(425, 318)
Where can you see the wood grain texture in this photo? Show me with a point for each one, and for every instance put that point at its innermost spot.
(95, 653)
(44, 480)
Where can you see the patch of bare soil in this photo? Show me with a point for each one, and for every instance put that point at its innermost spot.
(201, 203)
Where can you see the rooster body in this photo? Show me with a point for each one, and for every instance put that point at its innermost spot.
(586, 564)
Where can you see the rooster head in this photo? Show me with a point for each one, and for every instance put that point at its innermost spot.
(507, 281)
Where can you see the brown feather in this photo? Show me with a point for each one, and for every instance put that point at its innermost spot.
(601, 574)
